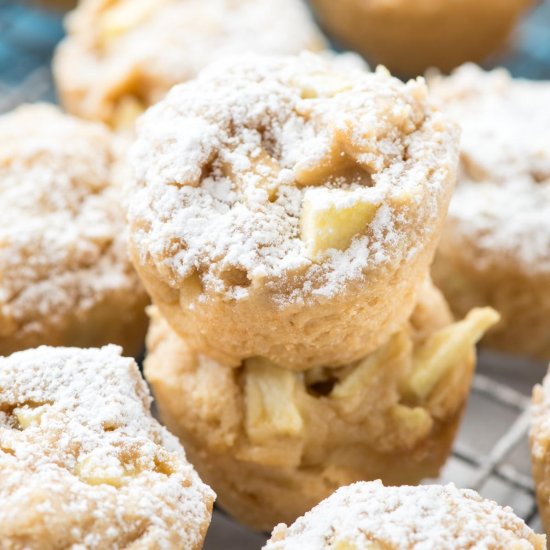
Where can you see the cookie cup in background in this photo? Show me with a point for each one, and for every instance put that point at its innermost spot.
(410, 37)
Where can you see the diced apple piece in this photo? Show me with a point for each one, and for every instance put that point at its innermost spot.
(331, 218)
(278, 453)
(90, 471)
(270, 393)
(28, 416)
(441, 351)
(322, 84)
(367, 372)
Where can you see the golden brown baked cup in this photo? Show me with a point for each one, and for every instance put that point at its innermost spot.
(289, 207)
(495, 248)
(120, 56)
(273, 442)
(65, 275)
(540, 448)
(369, 516)
(409, 36)
(83, 463)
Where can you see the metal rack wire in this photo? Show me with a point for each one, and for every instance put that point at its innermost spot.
(496, 465)
(490, 454)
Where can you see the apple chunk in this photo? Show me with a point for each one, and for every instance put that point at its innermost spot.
(439, 353)
(331, 218)
(269, 396)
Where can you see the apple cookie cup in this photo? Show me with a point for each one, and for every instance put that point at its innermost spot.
(83, 464)
(273, 442)
(298, 217)
(65, 275)
(495, 247)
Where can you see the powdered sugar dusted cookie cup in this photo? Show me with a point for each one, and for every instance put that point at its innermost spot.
(120, 56)
(495, 248)
(273, 442)
(65, 275)
(369, 516)
(287, 208)
(83, 463)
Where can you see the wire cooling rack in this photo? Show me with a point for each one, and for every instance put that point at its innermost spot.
(491, 451)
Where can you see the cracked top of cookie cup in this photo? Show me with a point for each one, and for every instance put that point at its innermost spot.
(272, 442)
(287, 200)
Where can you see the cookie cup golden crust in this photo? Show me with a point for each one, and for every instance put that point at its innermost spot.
(409, 37)
(119, 318)
(273, 442)
(331, 331)
(289, 207)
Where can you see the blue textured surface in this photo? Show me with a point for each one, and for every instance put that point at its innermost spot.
(530, 56)
(27, 39)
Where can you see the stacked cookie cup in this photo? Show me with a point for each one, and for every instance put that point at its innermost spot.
(283, 216)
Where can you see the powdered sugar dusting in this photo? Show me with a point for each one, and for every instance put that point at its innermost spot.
(503, 197)
(62, 247)
(424, 517)
(83, 462)
(222, 164)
